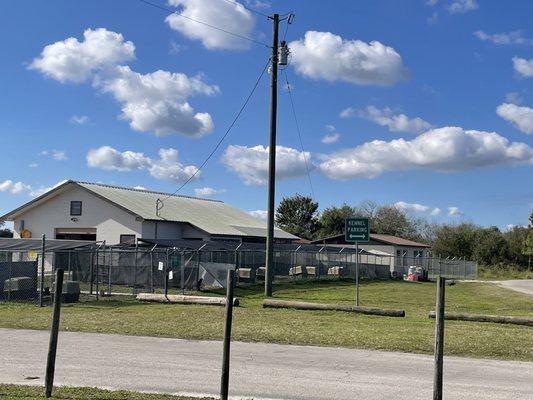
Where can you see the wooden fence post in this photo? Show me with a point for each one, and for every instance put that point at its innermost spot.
(439, 338)
(224, 385)
(52, 348)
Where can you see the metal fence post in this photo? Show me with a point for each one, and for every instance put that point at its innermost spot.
(182, 273)
(97, 271)
(43, 250)
(224, 384)
(439, 338)
(52, 348)
(166, 275)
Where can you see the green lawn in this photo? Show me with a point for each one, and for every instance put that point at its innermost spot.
(19, 392)
(414, 333)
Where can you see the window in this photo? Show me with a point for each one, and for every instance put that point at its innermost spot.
(127, 239)
(418, 253)
(75, 208)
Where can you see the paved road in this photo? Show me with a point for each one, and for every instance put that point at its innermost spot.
(520, 285)
(259, 371)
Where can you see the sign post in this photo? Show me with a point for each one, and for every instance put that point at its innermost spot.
(357, 230)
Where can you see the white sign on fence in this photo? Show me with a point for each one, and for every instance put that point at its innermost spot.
(170, 275)
(160, 266)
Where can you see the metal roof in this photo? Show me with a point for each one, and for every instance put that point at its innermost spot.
(212, 216)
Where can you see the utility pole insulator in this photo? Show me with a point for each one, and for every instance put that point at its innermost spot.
(284, 52)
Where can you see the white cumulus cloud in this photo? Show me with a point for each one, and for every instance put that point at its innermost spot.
(417, 208)
(43, 189)
(79, 119)
(14, 187)
(447, 149)
(454, 212)
(70, 60)
(230, 16)
(348, 112)
(108, 158)
(523, 66)
(251, 163)
(207, 191)
(260, 214)
(395, 123)
(330, 138)
(157, 101)
(324, 55)
(167, 167)
(514, 37)
(519, 116)
(462, 6)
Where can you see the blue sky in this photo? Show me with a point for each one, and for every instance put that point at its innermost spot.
(437, 100)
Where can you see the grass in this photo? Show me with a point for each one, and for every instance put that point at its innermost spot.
(21, 392)
(252, 323)
(500, 274)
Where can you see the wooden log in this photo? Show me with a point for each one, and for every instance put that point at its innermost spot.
(271, 303)
(182, 299)
(499, 319)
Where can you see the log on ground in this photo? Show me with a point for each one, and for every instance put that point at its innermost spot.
(182, 299)
(499, 319)
(271, 303)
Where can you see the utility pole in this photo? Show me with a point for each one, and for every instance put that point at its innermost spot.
(269, 272)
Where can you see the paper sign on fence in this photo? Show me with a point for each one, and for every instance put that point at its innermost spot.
(170, 275)
(160, 266)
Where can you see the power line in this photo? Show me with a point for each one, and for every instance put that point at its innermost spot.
(204, 23)
(248, 8)
(299, 134)
(223, 136)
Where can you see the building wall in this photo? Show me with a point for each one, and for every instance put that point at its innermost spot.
(110, 221)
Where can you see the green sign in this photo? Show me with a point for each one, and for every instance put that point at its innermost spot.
(357, 229)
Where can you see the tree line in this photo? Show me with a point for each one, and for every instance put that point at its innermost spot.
(489, 246)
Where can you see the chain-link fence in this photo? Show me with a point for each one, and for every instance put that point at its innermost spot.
(103, 271)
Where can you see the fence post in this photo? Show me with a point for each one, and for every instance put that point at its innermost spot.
(166, 276)
(439, 338)
(182, 273)
(109, 272)
(52, 348)
(97, 275)
(43, 250)
(224, 384)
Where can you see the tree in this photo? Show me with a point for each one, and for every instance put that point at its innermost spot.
(455, 240)
(527, 248)
(332, 220)
(5, 232)
(516, 237)
(391, 220)
(490, 247)
(298, 215)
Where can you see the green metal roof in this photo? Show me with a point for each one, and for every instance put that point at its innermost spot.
(212, 216)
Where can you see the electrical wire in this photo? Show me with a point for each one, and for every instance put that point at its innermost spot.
(299, 134)
(230, 127)
(248, 8)
(204, 23)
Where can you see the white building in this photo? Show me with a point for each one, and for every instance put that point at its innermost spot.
(90, 211)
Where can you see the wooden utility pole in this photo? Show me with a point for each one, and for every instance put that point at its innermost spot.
(439, 339)
(269, 272)
(224, 382)
(52, 348)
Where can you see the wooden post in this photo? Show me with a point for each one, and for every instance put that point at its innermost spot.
(224, 384)
(52, 348)
(439, 339)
